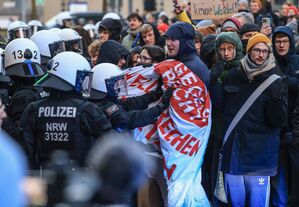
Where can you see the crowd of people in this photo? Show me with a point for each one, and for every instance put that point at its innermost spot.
(214, 104)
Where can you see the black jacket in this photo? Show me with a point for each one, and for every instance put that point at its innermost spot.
(253, 145)
(289, 66)
(61, 121)
(132, 112)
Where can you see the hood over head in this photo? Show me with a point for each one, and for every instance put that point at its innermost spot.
(111, 52)
(233, 38)
(185, 33)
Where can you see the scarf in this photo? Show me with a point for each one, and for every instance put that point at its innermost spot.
(251, 69)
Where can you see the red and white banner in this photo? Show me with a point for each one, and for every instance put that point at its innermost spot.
(183, 130)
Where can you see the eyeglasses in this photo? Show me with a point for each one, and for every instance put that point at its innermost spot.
(259, 51)
(143, 58)
(284, 42)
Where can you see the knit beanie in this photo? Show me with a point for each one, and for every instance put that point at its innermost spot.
(248, 27)
(292, 7)
(257, 38)
(163, 27)
(231, 22)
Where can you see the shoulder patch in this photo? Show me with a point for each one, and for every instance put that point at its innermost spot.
(112, 109)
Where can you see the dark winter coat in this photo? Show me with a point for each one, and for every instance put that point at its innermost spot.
(288, 64)
(253, 145)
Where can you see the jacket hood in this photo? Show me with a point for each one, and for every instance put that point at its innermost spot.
(208, 49)
(113, 26)
(233, 38)
(285, 30)
(184, 32)
(111, 52)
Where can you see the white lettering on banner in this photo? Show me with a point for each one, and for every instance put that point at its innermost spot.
(56, 132)
(59, 111)
(185, 144)
(180, 76)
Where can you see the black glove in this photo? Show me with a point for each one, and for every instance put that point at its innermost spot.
(166, 97)
(216, 71)
(280, 87)
(156, 94)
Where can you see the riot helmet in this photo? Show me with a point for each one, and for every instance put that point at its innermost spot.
(67, 71)
(49, 44)
(72, 40)
(22, 59)
(18, 29)
(35, 26)
(108, 79)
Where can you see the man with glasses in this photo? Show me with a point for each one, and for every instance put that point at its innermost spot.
(250, 154)
(288, 62)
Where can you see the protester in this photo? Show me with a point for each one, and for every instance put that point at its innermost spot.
(135, 22)
(112, 52)
(109, 29)
(246, 32)
(150, 35)
(288, 62)
(183, 49)
(134, 56)
(93, 50)
(250, 154)
(151, 54)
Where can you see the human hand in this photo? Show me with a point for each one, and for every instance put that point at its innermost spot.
(177, 7)
(165, 99)
(266, 30)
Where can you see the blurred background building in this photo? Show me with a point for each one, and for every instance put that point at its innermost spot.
(45, 9)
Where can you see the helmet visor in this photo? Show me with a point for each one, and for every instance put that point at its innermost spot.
(19, 33)
(74, 46)
(56, 47)
(116, 86)
(83, 82)
(35, 29)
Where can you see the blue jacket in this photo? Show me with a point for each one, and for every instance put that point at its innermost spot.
(184, 32)
(253, 145)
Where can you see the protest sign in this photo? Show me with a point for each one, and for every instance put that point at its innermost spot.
(213, 9)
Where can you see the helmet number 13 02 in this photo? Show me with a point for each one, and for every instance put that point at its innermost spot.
(19, 54)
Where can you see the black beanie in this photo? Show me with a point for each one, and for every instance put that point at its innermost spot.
(249, 27)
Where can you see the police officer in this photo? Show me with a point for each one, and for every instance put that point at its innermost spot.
(35, 26)
(129, 114)
(64, 120)
(18, 29)
(22, 65)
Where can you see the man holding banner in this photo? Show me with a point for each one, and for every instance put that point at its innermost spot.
(181, 132)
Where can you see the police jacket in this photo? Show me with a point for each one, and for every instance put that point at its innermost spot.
(132, 112)
(122, 119)
(21, 93)
(253, 146)
(61, 121)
